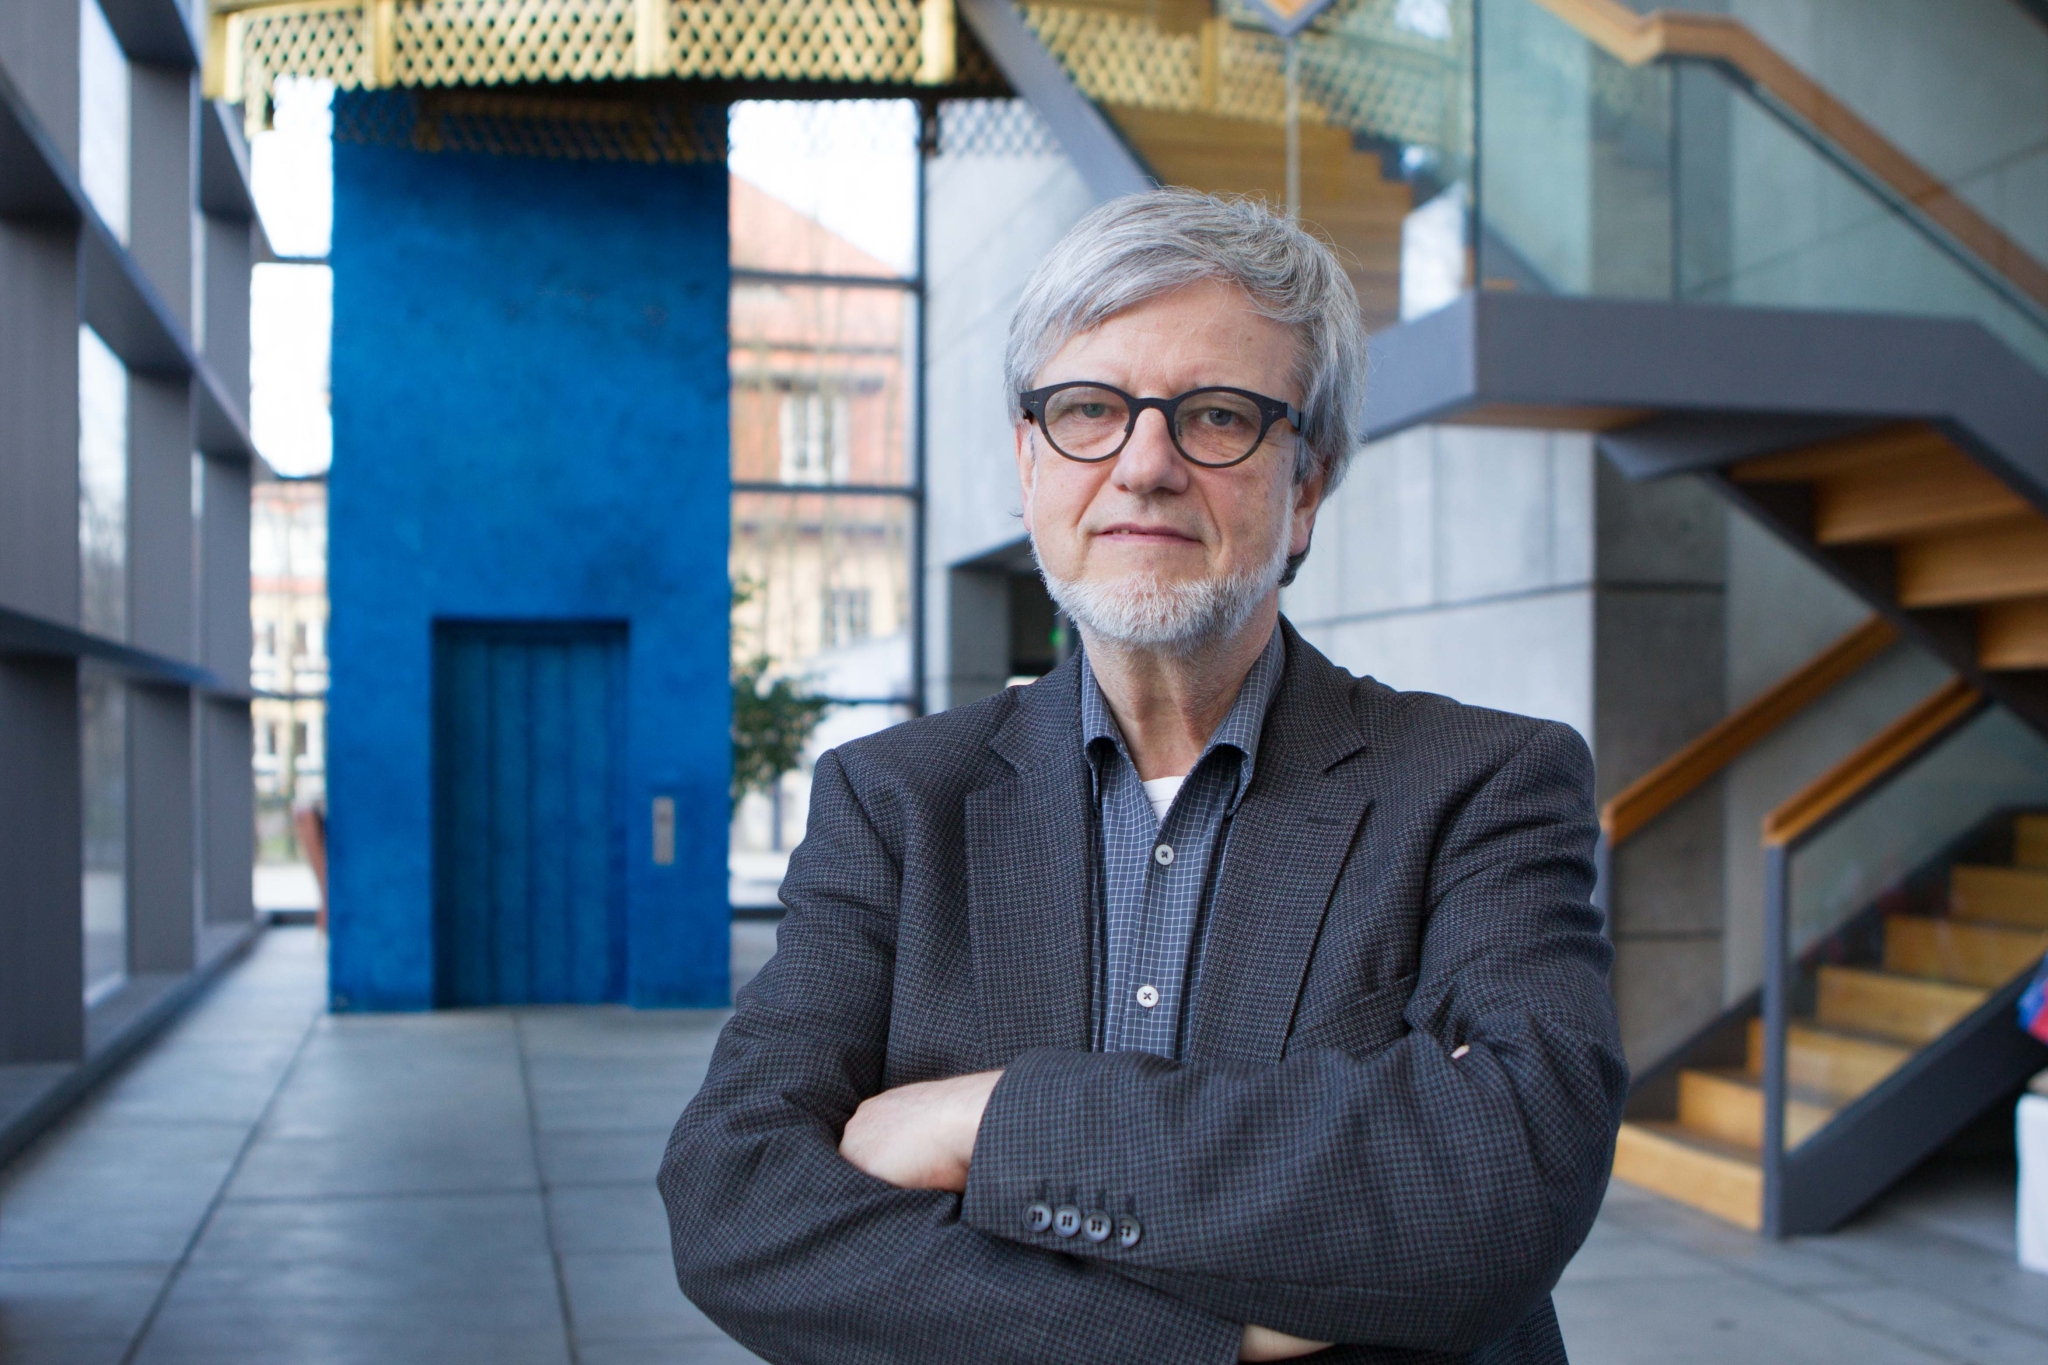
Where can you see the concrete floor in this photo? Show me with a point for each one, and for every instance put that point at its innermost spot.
(270, 1184)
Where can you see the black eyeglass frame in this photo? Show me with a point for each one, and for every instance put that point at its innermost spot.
(1271, 411)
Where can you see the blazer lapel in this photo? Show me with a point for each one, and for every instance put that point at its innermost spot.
(1288, 842)
(1029, 879)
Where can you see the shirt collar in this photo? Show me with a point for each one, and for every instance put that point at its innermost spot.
(1240, 728)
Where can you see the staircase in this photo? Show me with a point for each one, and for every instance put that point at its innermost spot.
(1912, 520)
(1933, 974)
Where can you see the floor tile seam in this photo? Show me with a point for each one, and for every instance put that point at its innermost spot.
(387, 1196)
(36, 1267)
(1932, 1348)
(177, 1269)
(1817, 1297)
(547, 1212)
(1971, 1310)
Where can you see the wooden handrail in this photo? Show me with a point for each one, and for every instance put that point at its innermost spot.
(1639, 38)
(1656, 791)
(1875, 759)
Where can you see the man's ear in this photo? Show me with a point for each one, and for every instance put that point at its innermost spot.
(1308, 500)
(1027, 465)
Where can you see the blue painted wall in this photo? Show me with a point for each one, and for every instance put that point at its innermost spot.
(530, 421)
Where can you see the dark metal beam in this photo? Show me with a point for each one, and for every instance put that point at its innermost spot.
(1098, 152)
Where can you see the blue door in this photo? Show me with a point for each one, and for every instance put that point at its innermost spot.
(528, 844)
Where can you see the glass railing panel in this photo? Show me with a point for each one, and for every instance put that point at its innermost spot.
(1764, 217)
(1575, 161)
(1991, 764)
(1961, 87)
(1676, 180)
(1386, 132)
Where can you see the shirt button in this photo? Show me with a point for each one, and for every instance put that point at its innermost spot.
(1148, 996)
(1163, 855)
(1038, 1216)
(1097, 1226)
(1066, 1220)
(1128, 1231)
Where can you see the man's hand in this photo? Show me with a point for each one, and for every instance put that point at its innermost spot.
(1263, 1343)
(920, 1137)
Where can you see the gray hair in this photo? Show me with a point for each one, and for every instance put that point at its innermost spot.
(1136, 248)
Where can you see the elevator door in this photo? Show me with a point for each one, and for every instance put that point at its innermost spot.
(528, 841)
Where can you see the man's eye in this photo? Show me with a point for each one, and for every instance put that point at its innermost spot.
(1094, 412)
(1218, 417)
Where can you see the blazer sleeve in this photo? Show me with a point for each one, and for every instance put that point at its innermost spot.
(802, 1257)
(1408, 1198)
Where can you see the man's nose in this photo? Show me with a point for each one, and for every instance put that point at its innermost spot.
(1149, 463)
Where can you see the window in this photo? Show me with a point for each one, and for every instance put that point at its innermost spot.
(815, 431)
(824, 356)
(102, 487)
(103, 768)
(846, 616)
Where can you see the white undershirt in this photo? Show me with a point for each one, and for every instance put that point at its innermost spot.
(1160, 791)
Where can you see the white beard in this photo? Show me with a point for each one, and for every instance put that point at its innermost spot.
(1142, 612)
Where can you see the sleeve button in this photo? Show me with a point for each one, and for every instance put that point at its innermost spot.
(1097, 1225)
(1038, 1216)
(1128, 1231)
(1066, 1220)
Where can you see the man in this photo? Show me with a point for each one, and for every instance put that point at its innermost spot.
(1199, 1002)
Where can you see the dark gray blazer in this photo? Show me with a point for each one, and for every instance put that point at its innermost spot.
(1405, 876)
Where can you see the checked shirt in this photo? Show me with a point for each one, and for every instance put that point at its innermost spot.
(1158, 877)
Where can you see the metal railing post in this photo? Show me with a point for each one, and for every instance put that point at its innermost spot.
(1777, 1002)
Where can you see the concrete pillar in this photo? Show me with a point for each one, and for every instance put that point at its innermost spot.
(229, 834)
(164, 180)
(42, 986)
(227, 256)
(38, 436)
(160, 524)
(224, 570)
(161, 830)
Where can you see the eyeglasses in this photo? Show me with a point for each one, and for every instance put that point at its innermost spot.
(1214, 427)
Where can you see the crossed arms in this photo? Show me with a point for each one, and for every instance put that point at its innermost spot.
(1404, 1198)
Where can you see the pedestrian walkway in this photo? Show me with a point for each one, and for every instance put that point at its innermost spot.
(271, 1184)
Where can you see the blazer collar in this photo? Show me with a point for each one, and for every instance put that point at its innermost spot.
(1288, 844)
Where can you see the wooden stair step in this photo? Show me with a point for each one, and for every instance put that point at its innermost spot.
(2016, 896)
(1729, 1105)
(2030, 841)
(1938, 490)
(1715, 1177)
(1906, 1009)
(1827, 1061)
(1846, 456)
(2013, 635)
(1970, 953)
(1988, 562)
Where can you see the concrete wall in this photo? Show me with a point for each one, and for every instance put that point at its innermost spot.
(530, 421)
(1516, 570)
(990, 217)
(1460, 560)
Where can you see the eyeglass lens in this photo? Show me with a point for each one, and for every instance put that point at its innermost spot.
(1211, 426)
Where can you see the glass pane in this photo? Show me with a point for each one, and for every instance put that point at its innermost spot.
(1673, 180)
(291, 167)
(1994, 763)
(822, 589)
(291, 314)
(821, 383)
(102, 487)
(1575, 182)
(1767, 220)
(103, 117)
(824, 187)
(103, 762)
